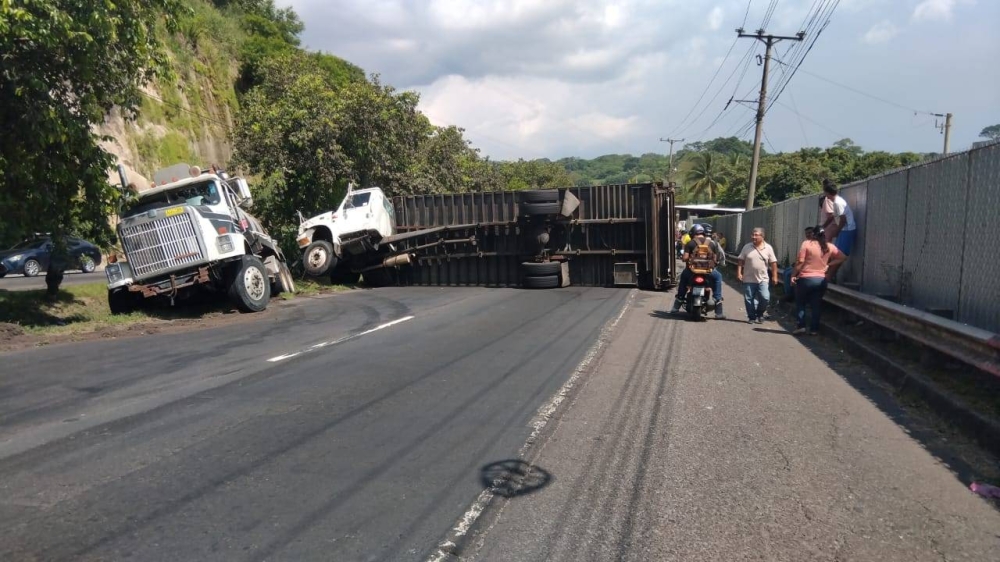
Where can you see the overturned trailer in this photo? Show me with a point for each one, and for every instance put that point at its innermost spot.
(609, 235)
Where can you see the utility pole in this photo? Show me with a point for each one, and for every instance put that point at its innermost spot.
(670, 166)
(946, 129)
(770, 41)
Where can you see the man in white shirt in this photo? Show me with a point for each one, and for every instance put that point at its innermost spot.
(840, 226)
(757, 259)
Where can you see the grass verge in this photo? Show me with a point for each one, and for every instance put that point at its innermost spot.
(81, 309)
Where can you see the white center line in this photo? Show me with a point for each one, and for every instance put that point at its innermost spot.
(341, 340)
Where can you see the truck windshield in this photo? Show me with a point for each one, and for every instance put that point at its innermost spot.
(196, 194)
(357, 200)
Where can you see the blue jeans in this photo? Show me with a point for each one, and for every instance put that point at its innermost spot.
(809, 291)
(682, 286)
(757, 296)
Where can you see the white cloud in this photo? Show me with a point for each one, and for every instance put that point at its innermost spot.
(935, 10)
(715, 18)
(881, 32)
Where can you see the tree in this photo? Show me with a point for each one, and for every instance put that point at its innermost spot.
(992, 132)
(288, 131)
(705, 176)
(65, 66)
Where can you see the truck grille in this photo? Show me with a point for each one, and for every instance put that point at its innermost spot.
(161, 245)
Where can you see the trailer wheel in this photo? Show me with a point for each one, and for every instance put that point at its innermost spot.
(249, 288)
(283, 282)
(541, 282)
(122, 301)
(532, 269)
(534, 209)
(540, 196)
(319, 258)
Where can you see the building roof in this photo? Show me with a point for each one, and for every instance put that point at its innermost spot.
(714, 207)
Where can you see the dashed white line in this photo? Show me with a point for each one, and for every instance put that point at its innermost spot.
(340, 340)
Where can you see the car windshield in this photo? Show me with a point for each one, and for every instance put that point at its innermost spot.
(196, 194)
(357, 200)
(30, 244)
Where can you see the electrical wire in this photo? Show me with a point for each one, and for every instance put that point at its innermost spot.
(857, 91)
(182, 108)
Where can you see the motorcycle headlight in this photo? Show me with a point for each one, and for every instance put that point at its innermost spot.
(224, 244)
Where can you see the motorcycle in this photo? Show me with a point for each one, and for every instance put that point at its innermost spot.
(699, 299)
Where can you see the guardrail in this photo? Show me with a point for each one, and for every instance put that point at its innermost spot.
(970, 345)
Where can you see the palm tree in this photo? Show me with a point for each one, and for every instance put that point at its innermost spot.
(706, 175)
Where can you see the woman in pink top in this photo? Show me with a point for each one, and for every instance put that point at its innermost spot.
(817, 262)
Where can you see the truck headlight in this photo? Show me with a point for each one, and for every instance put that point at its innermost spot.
(117, 272)
(224, 244)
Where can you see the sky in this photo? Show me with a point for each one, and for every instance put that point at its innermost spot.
(557, 78)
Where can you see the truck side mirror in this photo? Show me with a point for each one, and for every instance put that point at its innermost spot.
(243, 190)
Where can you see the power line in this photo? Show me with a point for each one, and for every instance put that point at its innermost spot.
(747, 13)
(182, 108)
(857, 91)
(773, 151)
(813, 121)
(705, 91)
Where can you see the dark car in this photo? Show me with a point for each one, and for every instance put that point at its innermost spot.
(31, 257)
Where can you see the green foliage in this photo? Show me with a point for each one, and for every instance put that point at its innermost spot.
(992, 132)
(162, 151)
(65, 65)
(706, 175)
(533, 174)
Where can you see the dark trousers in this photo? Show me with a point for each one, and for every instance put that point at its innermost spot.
(809, 291)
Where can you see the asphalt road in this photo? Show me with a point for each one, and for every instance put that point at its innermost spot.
(22, 283)
(723, 441)
(352, 427)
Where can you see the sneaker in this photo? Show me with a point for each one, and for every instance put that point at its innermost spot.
(813, 333)
(719, 315)
(758, 321)
(799, 331)
(752, 321)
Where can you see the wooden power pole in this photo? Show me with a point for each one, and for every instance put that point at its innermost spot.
(770, 41)
(670, 166)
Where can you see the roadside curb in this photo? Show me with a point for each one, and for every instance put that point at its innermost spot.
(975, 426)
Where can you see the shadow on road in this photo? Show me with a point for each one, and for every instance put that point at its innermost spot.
(514, 477)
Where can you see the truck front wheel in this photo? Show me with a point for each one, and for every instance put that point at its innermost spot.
(319, 258)
(122, 301)
(249, 288)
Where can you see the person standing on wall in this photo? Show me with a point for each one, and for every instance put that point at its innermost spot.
(840, 226)
(816, 264)
(757, 269)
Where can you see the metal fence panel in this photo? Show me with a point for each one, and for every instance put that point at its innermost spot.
(935, 232)
(979, 301)
(886, 222)
(856, 196)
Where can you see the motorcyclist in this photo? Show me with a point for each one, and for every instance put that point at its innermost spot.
(698, 237)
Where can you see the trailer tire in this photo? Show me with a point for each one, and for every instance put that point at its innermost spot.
(122, 301)
(540, 196)
(319, 259)
(541, 282)
(249, 288)
(532, 269)
(535, 209)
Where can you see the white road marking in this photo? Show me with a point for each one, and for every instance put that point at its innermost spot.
(340, 340)
(448, 547)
